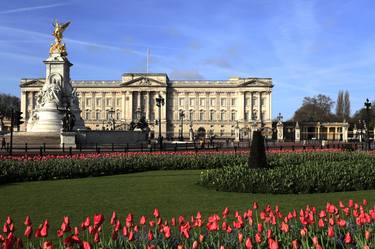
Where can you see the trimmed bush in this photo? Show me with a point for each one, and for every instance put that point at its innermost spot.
(257, 157)
(298, 173)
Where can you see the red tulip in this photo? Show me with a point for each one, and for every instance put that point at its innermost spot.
(19, 243)
(60, 233)
(248, 243)
(151, 247)
(27, 221)
(367, 235)
(114, 235)
(331, 232)
(295, 244)
(96, 238)
(225, 212)
(260, 227)
(86, 245)
(9, 220)
(28, 231)
(98, 220)
(258, 238)
(195, 244)
(240, 237)
(201, 238)
(47, 245)
(66, 220)
(131, 236)
(150, 235)
(142, 220)
(222, 247)
(348, 238)
(113, 218)
(156, 213)
(167, 232)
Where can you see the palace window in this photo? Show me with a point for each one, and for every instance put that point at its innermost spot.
(213, 102)
(223, 102)
(222, 116)
(233, 116)
(108, 101)
(221, 133)
(182, 102)
(192, 102)
(118, 101)
(212, 115)
(98, 102)
(201, 115)
(191, 115)
(201, 102)
(232, 132)
(246, 116)
(88, 101)
(233, 102)
(118, 113)
(87, 115)
(97, 115)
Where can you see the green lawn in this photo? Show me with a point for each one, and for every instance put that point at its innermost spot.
(173, 192)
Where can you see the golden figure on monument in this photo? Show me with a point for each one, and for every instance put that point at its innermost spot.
(58, 31)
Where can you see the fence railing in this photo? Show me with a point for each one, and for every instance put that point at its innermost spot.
(48, 149)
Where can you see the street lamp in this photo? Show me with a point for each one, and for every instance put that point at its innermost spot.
(368, 107)
(159, 104)
(182, 115)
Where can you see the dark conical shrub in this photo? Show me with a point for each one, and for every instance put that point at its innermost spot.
(257, 158)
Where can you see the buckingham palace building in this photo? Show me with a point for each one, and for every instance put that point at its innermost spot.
(214, 107)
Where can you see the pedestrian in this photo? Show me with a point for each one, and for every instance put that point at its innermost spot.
(3, 143)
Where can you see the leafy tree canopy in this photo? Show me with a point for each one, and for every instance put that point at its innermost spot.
(7, 103)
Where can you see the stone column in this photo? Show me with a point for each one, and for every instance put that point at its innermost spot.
(123, 105)
(240, 104)
(138, 100)
(259, 116)
(270, 106)
(147, 106)
(251, 107)
(345, 132)
(129, 107)
(24, 104)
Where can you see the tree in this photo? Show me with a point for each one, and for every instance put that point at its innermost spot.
(340, 105)
(346, 105)
(316, 108)
(343, 106)
(7, 103)
(361, 115)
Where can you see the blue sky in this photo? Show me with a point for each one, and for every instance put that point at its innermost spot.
(307, 47)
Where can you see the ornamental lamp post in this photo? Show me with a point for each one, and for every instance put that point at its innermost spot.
(159, 104)
(368, 107)
(182, 115)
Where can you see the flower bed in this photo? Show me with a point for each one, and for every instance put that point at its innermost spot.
(297, 173)
(77, 167)
(344, 226)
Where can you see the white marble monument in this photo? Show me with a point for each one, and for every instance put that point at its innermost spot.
(57, 95)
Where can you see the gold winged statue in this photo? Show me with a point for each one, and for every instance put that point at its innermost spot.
(58, 31)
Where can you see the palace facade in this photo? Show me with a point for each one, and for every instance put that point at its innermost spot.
(214, 107)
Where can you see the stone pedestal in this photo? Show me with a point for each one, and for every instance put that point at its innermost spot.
(191, 134)
(237, 134)
(68, 139)
(280, 131)
(297, 134)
